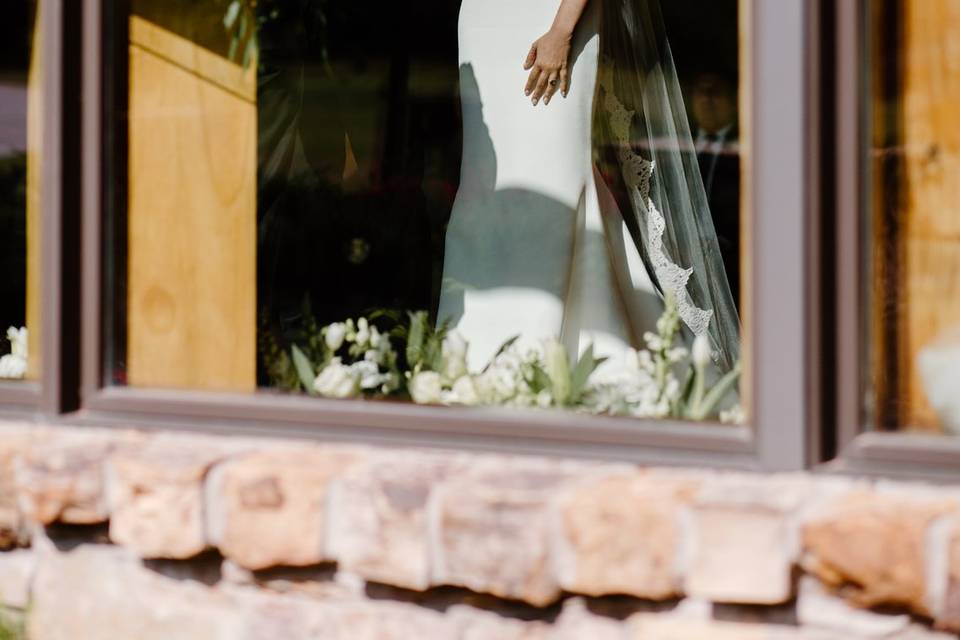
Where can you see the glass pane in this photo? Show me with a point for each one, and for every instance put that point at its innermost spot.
(358, 199)
(913, 221)
(20, 115)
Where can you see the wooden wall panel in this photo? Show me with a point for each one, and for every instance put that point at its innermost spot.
(930, 304)
(34, 169)
(192, 216)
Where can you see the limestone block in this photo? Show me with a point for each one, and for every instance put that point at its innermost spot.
(621, 534)
(818, 608)
(379, 520)
(740, 555)
(489, 530)
(876, 542)
(269, 508)
(59, 476)
(100, 592)
(16, 574)
(156, 496)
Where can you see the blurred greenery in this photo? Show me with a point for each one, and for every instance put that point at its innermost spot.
(11, 625)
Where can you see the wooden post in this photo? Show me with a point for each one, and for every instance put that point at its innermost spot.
(191, 273)
(33, 191)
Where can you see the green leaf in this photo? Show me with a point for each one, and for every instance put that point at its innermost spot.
(433, 352)
(586, 365)
(418, 323)
(538, 380)
(717, 394)
(304, 369)
(503, 348)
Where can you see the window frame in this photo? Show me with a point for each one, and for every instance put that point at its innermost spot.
(782, 304)
(51, 393)
(860, 449)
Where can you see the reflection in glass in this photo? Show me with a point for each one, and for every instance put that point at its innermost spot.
(358, 199)
(19, 191)
(914, 219)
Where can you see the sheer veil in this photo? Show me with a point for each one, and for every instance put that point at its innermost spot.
(646, 152)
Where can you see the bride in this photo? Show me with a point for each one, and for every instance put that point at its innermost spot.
(581, 205)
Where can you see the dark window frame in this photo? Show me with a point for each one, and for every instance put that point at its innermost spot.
(59, 221)
(861, 449)
(783, 305)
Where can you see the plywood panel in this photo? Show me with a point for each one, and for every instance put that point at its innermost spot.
(930, 303)
(34, 169)
(191, 218)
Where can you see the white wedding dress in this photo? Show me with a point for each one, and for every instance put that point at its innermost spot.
(536, 246)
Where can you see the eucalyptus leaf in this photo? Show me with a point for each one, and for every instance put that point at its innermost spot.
(717, 394)
(304, 369)
(418, 326)
(586, 365)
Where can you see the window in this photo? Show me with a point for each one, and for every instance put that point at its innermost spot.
(913, 219)
(245, 178)
(20, 193)
(297, 216)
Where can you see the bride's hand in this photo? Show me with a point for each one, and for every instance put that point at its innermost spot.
(548, 64)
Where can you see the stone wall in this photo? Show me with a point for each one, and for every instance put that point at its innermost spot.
(113, 535)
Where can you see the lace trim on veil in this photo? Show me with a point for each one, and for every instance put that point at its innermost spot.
(637, 173)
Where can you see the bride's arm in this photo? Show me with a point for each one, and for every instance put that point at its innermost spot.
(549, 56)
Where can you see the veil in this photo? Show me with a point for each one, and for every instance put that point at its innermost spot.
(646, 153)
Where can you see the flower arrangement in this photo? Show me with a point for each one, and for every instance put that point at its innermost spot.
(13, 366)
(407, 357)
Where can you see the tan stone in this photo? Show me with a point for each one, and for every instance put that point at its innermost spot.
(12, 443)
(578, 623)
(667, 627)
(379, 524)
(99, 592)
(490, 531)
(156, 496)
(874, 544)
(740, 554)
(621, 534)
(949, 616)
(476, 624)
(59, 476)
(16, 575)
(277, 617)
(818, 608)
(270, 509)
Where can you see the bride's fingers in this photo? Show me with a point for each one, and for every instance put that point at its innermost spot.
(552, 85)
(564, 82)
(531, 57)
(542, 84)
(532, 81)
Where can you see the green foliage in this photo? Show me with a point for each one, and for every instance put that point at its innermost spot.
(11, 625)
(304, 369)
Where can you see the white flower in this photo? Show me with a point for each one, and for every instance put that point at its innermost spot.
(702, 353)
(426, 388)
(368, 373)
(335, 335)
(734, 415)
(18, 341)
(363, 331)
(337, 381)
(464, 392)
(454, 352)
(14, 365)
(654, 342)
